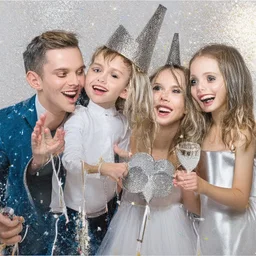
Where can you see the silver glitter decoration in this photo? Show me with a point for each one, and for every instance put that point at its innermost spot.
(148, 37)
(135, 174)
(148, 191)
(82, 234)
(162, 183)
(149, 177)
(144, 161)
(174, 54)
(162, 179)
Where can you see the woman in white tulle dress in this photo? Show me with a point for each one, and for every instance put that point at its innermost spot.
(151, 219)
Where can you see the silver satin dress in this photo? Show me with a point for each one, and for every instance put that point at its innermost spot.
(225, 231)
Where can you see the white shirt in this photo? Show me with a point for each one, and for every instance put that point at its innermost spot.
(90, 134)
(39, 108)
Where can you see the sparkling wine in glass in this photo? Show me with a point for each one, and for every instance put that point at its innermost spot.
(188, 154)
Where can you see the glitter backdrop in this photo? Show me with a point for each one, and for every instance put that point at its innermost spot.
(197, 22)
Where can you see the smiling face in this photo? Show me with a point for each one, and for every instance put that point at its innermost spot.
(107, 79)
(61, 81)
(169, 102)
(207, 84)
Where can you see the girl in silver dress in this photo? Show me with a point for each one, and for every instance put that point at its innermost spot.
(221, 89)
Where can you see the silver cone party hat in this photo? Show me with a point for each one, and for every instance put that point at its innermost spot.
(138, 51)
(148, 37)
(122, 42)
(174, 54)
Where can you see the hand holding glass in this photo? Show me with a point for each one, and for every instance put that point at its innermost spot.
(188, 154)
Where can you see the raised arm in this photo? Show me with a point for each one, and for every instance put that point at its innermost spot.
(43, 144)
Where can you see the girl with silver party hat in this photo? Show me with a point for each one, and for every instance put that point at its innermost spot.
(120, 100)
(151, 219)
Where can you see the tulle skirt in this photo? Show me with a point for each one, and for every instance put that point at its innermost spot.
(168, 231)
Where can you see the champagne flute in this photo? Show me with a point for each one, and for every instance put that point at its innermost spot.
(188, 154)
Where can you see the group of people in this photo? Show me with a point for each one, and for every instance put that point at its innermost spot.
(68, 170)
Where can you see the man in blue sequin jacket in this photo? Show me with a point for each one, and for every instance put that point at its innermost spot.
(55, 69)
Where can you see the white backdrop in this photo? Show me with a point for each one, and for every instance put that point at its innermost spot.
(198, 22)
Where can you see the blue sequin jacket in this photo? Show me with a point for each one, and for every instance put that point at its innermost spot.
(16, 125)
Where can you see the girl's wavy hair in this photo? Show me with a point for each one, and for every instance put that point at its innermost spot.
(188, 122)
(138, 106)
(238, 118)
